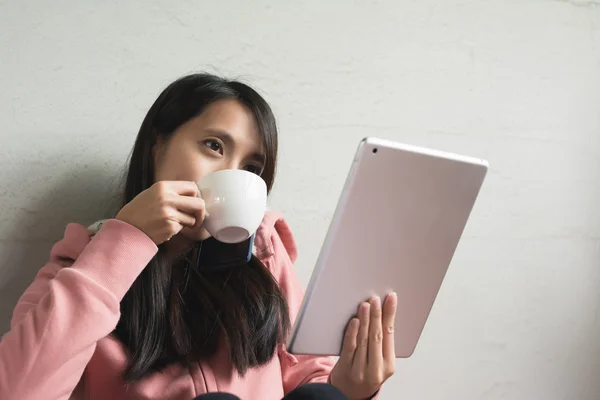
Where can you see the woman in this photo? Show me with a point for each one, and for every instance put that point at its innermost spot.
(122, 311)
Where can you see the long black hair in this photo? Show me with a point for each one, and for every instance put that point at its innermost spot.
(175, 312)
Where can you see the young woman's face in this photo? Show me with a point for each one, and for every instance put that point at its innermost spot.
(224, 136)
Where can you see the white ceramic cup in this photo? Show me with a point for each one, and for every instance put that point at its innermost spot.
(236, 201)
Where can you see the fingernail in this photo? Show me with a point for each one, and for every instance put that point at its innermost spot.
(376, 301)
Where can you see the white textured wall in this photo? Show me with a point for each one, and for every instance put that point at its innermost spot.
(514, 81)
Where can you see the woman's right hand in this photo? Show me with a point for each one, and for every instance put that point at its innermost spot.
(164, 209)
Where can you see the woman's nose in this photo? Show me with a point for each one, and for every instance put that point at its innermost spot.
(234, 164)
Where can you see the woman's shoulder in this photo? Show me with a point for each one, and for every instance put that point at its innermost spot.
(275, 236)
(272, 238)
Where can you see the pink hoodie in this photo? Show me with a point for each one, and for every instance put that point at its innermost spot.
(60, 345)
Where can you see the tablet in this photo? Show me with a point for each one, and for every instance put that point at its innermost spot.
(396, 227)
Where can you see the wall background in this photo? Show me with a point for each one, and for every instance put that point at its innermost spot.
(513, 81)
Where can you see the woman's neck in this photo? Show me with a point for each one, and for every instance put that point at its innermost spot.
(178, 245)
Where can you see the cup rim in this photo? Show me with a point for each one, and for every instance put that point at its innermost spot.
(234, 171)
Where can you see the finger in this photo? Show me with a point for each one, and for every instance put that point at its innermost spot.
(183, 219)
(194, 206)
(182, 188)
(375, 355)
(360, 355)
(350, 342)
(389, 319)
(171, 229)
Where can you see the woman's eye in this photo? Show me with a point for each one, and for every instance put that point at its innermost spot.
(214, 145)
(255, 169)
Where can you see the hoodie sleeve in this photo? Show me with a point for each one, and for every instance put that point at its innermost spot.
(281, 250)
(72, 303)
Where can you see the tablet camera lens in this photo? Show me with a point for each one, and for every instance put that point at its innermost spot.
(375, 150)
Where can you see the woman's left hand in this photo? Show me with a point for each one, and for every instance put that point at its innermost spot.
(368, 355)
